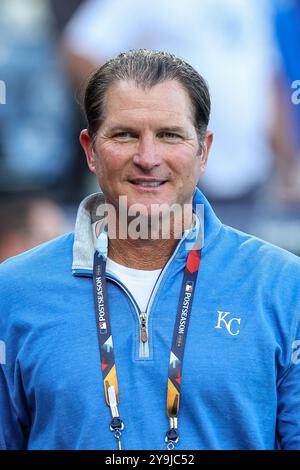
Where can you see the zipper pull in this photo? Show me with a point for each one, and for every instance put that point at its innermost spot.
(144, 336)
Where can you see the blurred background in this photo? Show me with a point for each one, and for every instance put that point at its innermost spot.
(248, 51)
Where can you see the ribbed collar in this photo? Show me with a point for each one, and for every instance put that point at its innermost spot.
(83, 247)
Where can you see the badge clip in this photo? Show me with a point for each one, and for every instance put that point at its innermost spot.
(172, 436)
(116, 425)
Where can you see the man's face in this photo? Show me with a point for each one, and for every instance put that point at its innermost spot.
(147, 147)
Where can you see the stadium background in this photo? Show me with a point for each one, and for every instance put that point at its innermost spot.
(248, 51)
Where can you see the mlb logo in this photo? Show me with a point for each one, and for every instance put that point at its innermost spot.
(189, 286)
(103, 328)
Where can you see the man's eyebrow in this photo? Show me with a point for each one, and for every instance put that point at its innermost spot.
(121, 127)
(172, 129)
(124, 128)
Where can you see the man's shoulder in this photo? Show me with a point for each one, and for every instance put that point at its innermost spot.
(260, 252)
(52, 255)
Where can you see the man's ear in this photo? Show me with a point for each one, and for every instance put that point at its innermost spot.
(87, 145)
(205, 150)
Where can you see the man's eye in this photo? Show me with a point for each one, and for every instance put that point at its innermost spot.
(124, 136)
(170, 136)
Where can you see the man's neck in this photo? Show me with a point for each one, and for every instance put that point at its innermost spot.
(145, 254)
(141, 254)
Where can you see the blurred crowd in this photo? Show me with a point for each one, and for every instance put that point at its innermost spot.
(248, 51)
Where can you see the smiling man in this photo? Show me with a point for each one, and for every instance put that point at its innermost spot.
(147, 148)
(197, 333)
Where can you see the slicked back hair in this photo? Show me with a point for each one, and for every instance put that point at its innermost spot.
(146, 68)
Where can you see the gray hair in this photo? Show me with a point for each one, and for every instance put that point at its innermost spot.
(146, 68)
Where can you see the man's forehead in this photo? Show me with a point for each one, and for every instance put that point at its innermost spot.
(168, 96)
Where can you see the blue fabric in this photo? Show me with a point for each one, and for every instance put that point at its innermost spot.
(240, 388)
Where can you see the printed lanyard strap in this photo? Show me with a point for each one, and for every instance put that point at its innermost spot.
(178, 343)
(108, 364)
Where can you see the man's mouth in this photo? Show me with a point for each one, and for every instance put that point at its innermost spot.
(148, 184)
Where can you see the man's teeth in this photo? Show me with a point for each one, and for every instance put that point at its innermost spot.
(148, 183)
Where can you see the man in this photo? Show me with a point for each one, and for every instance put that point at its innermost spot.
(241, 171)
(218, 337)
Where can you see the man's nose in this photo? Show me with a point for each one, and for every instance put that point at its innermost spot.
(147, 154)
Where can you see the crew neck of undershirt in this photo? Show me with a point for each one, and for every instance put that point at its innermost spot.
(112, 266)
(124, 269)
(139, 282)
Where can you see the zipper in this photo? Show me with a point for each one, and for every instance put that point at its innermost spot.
(143, 329)
(143, 317)
(144, 346)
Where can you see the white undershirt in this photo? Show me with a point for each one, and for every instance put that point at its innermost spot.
(139, 282)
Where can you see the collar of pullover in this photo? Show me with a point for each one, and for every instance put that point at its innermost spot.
(83, 248)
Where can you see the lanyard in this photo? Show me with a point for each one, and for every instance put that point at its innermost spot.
(108, 365)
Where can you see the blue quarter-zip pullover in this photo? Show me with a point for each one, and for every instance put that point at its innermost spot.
(241, 373)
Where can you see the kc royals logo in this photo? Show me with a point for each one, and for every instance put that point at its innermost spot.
(229, 323)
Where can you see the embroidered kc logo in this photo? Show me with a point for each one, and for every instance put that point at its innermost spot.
(228, 323)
